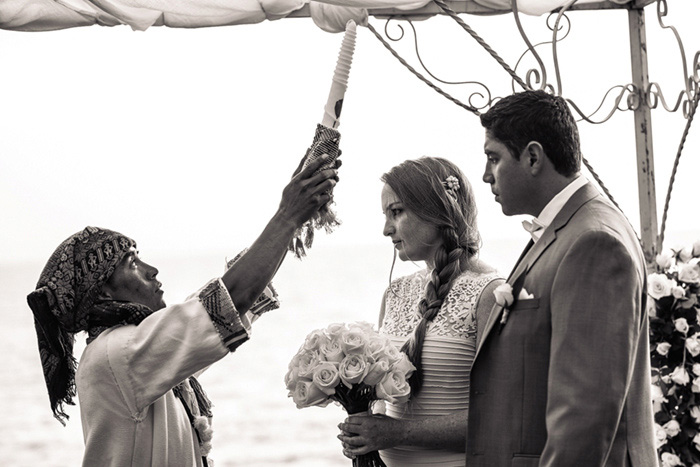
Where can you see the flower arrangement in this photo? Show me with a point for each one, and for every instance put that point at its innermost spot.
(674, 312)
(351, 365)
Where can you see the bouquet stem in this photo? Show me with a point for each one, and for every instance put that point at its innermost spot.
(356, 400)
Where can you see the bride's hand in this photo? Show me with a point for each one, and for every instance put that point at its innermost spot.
(361, 434)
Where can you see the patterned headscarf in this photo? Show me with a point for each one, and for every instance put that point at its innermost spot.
(68, 287)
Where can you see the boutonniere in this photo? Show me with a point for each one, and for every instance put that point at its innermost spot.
(504, 299)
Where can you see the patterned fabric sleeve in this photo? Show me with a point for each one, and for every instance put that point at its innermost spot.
(267, 301)
(232, 328)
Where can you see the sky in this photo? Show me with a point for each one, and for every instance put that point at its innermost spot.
(184, 139)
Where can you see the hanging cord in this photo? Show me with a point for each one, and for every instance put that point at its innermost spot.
(609, 195)
(600, 182)
(450, 12)
(691, 114)
(419, 75)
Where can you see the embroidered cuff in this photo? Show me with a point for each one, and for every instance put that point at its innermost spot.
(267, 300)
(232, 329)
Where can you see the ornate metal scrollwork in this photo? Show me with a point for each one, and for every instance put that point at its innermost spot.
(625, 97)
(483, 94)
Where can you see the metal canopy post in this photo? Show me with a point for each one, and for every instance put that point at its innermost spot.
(643, 135)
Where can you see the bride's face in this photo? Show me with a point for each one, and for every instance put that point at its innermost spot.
(414, 239)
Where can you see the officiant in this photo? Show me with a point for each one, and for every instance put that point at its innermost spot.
(140, 402)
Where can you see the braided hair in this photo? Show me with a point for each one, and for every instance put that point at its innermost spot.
(421, 186)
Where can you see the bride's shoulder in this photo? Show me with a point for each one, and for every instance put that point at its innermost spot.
(477, 278)
(409, 281)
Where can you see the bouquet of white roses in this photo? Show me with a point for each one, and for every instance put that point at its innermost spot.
(674, 328)
(352, 365)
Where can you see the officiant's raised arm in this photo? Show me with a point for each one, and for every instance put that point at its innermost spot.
(305, 194)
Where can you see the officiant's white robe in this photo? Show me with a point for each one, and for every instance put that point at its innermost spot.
(129, 413)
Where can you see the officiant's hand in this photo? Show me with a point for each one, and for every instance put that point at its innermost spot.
(308, 191)
(361, 434)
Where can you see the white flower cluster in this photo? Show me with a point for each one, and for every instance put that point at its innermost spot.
(451, 183)
(675, 338)
(350, 355)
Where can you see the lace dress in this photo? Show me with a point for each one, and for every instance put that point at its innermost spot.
(448, 352)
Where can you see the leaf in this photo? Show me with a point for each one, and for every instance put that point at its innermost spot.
(688, 303)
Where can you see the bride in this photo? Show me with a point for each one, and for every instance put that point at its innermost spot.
(433, 315)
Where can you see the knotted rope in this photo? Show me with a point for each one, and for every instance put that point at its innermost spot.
(691, 114)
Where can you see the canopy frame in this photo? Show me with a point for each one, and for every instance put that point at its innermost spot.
(641, 95)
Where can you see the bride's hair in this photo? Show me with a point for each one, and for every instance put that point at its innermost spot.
(423, 188)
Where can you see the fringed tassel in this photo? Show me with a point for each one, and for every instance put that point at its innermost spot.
(202, 400)
(326, 141)
(56, 352)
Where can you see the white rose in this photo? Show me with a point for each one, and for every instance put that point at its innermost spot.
(693, 345)
(680, 376)
(658, 286)
(307, 394)
(363, 326)
(670, 460)
(689, 273)
(393, 354)
(696, 441)
(672, 428)
(695, 413)
(353, 369)
(331, 351)
(651, 307)
(657, 397)
(504, 294)
(695, 387)
(393, 388)
(662, 348)
(376, 372)
(376, 346)
(696, 249)
(659, 435)
(665, 259)
(404, 366)
(291, 378)
(681, 325)
(677, 291)
(656, 393)
(314, 340)
(696, 369)
(686, 253)
(326, 377)
(308, 360)
(335, 330)
(354, 341)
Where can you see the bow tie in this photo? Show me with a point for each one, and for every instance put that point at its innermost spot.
(535, 228)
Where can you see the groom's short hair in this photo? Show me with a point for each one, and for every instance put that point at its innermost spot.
(527, 116)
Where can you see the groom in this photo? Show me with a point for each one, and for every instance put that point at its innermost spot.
(562, 375)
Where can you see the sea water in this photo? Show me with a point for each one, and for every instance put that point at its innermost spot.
(255, 422)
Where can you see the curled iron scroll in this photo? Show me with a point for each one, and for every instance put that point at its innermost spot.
(478, 99)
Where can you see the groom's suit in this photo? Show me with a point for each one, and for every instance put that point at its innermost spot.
(566, 381)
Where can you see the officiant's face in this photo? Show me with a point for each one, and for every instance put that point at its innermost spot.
(135, 281)
(414, 239)
(509, 177)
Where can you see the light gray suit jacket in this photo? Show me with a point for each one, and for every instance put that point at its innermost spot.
(566, 381)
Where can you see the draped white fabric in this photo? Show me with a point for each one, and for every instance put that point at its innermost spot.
(330, 15)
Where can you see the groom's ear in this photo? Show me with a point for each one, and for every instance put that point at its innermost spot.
(534, 157)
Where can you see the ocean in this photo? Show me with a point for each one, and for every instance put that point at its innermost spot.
(255, 422)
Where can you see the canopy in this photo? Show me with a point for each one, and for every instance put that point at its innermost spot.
(330, 15)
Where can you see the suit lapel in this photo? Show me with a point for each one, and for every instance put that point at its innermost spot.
(532, 252)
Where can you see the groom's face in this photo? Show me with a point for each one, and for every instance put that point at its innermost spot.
(509, 177)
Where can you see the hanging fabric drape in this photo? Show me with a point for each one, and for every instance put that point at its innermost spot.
(330, 15)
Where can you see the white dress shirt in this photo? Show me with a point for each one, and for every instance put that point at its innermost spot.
(550, 211)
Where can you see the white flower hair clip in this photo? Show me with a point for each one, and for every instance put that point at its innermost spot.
(451, 185)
